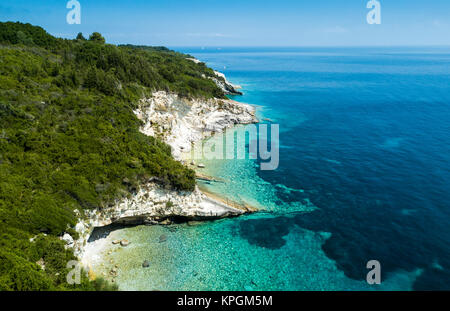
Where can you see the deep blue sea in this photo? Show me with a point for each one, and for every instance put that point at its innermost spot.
(364, 175)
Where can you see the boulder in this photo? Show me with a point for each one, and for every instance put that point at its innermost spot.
(124, 242)
(165, 222)
(113, 272)
(145, 264)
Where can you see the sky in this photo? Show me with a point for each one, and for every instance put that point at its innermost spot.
(241, 23)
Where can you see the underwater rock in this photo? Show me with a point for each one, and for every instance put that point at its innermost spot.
(163, 238)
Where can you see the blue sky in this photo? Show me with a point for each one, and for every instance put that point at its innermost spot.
(242, 23)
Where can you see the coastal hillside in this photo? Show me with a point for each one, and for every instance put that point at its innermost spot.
(70, 141)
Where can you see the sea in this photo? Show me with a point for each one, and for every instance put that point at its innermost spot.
(363, 175)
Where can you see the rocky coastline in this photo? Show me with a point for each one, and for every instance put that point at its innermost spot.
(179, 122)
(221, 81)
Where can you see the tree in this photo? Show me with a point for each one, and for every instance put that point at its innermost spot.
(81, 37)
(97, 37)
(22, 38)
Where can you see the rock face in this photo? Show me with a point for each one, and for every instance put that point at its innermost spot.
(180, 122)
(228, 88)
(153, 204)
(221, 81)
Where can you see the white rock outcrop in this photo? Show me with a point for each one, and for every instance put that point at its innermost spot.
(153, 204)
(221, 81)
(68, 239)
(226, 86)
(181, 122)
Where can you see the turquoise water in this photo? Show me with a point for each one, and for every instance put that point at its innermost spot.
(364, 174)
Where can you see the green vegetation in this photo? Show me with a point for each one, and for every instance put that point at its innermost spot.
(97, 37)
(69, 140)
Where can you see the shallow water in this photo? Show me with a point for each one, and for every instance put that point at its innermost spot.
(364, 174)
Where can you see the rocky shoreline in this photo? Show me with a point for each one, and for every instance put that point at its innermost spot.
(179, 122)
(221, 81)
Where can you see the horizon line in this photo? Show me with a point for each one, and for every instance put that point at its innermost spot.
(293, 46)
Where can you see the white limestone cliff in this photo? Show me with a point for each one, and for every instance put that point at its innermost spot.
(181, 122)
